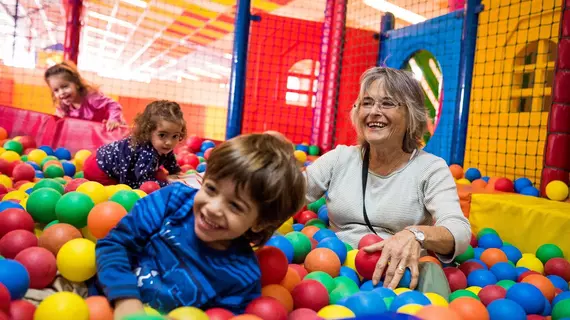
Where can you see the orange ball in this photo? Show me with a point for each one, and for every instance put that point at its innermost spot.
(103, 217)
(478, 185)
(52, 163)
(292, 278)
(99, 308)
(430, 259)
(456, 171)
(3, 134)
(433, 312)
(543, 284)
(469, 309)
(492, 256)
(491, 184)
(54, 237)
(323, 259)
(310, 231)
(280, 293)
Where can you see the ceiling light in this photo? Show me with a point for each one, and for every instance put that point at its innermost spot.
(398, 12)
(137, 3)
(204, 73)
(111, 19)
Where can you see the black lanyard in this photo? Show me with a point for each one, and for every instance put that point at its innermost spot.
(365, 161)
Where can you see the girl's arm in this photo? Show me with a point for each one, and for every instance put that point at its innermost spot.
(114, 109)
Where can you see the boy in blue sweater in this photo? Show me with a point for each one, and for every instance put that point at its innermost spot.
(181, 246)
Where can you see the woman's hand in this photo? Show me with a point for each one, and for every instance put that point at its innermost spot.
(399, 252)
(112, 125)
(127, 307)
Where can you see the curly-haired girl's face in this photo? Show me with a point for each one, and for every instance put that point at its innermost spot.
(166, 136)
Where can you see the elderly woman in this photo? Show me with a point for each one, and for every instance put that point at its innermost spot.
(388, 186)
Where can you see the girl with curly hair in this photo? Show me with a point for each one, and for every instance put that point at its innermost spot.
(138, 158)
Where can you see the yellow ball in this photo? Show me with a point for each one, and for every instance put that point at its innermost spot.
(285, 228)
(301, 156)
(37, 155)
(463, 181)
(399, 291)
(474, 289)
(122, 187)
(10, 156)
(110, 190)
(24, 202)
(436, 299)
(350, 257)
(188, 313)
(2, 150)
(87, 234)
(81, 156)
(141, 193)
(15, 195)
(335, 312)
(410, 308)
(76, 260)
(150, 311)
(531, 263)
(26, 186)
(94, 190)
(6, 181)
(38, 232)
(62, 305)
(557, 190)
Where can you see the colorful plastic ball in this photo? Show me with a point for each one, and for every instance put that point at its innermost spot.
(490, 241)
(365, 303)
(54, 237)
(558, 282)
(68, 168)
(62, 154)
(94, 190)
(485, 231)
(531, 263)
(22, 309)
(62, 305)
(548, 251)
(201, 167)
(456, 278)
(76, 260)
(472, 174)
(301, 156)
(41, 204)
(4, 298)
(462, 293)
(521, 183)
(434, 312)
(23, 171)
(49, 184)
(126, 198)
(15, 219)
(365, 263)
(555, 266)
(40, 264)
(349, 273)
(369, 240)
(336, 245)
(207, 144)
(314, 150)
(303, 314)
(528, 296)
(273, 264)
(530, 191)
(53, 171)
(267, 308)
(513, 254)
(103, 217)
(409, 297)
(9, 204)
(335, 312)
(15, 146)
(10, 156)
(557, 190)
(561, 310)
(468, 254)
(15, 241)
(99, 308)
(37, 156)
(15, 277)
(323, 234)
(73, 208)
(301, 245)
(504, 271)
(187, 313)
(280, 242)
(504, 185)
(310, 294)
(469, 309)
(219, 314)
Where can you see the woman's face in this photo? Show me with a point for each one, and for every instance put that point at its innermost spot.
(382, 120)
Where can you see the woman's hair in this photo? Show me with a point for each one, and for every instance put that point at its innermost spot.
(69, 71)
(147, 121)
(263, 166)
(401, 86)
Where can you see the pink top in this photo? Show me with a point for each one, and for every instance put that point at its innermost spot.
(94, 107)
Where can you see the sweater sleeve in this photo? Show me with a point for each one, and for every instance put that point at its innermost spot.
(442, 202)
(129, 237)
(113, 108)
(319, 174)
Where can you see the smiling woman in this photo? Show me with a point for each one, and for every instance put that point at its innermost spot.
(406, 195)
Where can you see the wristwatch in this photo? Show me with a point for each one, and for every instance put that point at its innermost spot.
(420, 236)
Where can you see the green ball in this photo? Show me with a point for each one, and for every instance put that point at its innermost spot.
(41, 204)
(125, 198)
(345, 282)
(46, 159)
(314, 150)
(191, 171)
(462, 293)
(485, 231)
(78, 174)
(51, 223)
(61, 180)
(506, 284)
(315, 206)
(561, 310)
(341, 292)
(324, 278)
(201, 159)
(53, 171)
(506, 244)
(301, 245)
(73, 208)
(548, 251)
(348, 247)
(13, 145)
(24, 158)
(468, 254)
(317, 223)
(49, 184)
(1, 258)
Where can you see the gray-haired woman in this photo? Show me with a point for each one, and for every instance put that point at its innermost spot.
(389, 186)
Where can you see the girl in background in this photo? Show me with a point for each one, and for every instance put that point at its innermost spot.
(75, 98)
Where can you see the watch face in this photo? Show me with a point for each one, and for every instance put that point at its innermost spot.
(421, 236)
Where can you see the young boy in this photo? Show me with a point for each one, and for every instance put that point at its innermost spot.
(181, 246)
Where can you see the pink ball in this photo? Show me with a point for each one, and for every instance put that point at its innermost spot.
(366, 263)
(457, 279)
(491, 293)
(219, 314)
(4, 299)
(267, 308)
(303, 314)
(369, 239)
(310, 294)
(23, 171)
(273, 264)
(15, 219)
(41, 266)
(504, 185)
(149, 187)
(15, 241)
(22, 310)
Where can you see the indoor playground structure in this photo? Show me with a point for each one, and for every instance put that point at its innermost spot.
(496, 83)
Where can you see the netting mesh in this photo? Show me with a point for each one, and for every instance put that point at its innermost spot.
(512, 87)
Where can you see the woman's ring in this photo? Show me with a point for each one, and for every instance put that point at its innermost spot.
(401, 269)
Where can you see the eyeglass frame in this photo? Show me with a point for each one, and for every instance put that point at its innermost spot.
(379, 103)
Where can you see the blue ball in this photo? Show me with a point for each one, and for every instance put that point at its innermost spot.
(207, 144)
(15, 277)
(307, 163)
(302, 147)
(406, 279)
(281, 243)
(323, 234)
(199, 154)
(34, 165)
(481, 278)
(521, 270)
(336, 245)
(384, 292)
(527, 296)
(558, 282)
(350, 273)
(68, 168)
(477, 252)
(298, 227)
(501, 309)
(47, 149)
(365, 303)
(522, 183)
(472, 174)
(547, 308)
(201, 167)
(530, 191)
(504, 271)
(409, 297)
(485, 178)
(368, 286)
(39, 174)
(512, 252)
(562, 296)
(30, 190)
(9, 204)
(62, 154)
(323, 214)
(490, 240)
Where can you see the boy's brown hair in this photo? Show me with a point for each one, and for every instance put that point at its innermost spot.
(147, 121)
(264, 166)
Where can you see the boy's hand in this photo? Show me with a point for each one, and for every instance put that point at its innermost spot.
(127, 307)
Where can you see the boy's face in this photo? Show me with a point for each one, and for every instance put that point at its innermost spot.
(221, 215)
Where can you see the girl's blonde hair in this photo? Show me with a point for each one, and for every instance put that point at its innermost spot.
(70, 73)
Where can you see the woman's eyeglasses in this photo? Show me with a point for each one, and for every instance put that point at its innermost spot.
(369, 103)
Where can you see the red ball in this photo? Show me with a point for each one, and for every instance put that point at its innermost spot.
(474, 241)
(4, 299)
(300, 270)
(3, 316)
(15, 219)
(3, 190)
(366, 263)
(194, 143)
(23, 171)
(469, 266)
(526, 274)
(41, 266)
(273, 264)
(306, 216)
(7, 167)
(15, 241)
(491, 293)
(20, 183)
(267, 308)
(219, 314)
(559, 267)
(303, 314)
(457, 279)
(534, 317)
(369, 239)
(74, 184)
(207, 153)
(192, 160)
(149, 187)
(505, 185)
(22, 310)
(310, 294)
(28, 142)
